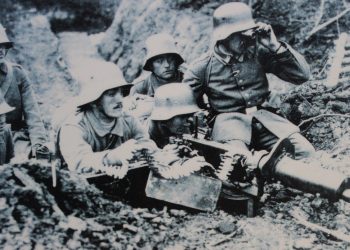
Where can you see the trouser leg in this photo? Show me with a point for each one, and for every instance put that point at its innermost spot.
(264, 139)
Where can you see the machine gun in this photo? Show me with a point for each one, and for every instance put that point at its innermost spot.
(235, 182)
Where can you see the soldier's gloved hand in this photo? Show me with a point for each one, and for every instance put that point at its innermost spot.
(121, 154)
(40, 151)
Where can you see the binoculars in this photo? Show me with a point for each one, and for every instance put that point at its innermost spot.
(251, 36)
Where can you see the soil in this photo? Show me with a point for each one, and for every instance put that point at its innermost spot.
(77, 215)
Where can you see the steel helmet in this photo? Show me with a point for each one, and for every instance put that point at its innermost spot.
(100, 77)
(171, 100)
(4, 107)
(230, 18)
(3, 38)
(160, 44)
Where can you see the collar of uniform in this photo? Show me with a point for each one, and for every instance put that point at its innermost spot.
(3, 68)
(159, 81)
(101, 129)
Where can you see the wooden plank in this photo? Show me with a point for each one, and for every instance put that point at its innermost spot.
(335, 70)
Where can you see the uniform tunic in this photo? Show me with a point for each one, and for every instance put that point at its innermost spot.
(234, 84)
(18, 93)
(149, 85)
(83, 141)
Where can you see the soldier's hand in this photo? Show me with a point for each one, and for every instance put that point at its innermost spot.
(40, 151)
(123, 153)
(267, 37)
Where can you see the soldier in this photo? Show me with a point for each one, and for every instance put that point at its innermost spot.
(100, 134)
(163, 60)
(173, 109)
(29, 133)
(233, 76)
(6, 142)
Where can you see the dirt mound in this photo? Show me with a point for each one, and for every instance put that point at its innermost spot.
(77, 215)
(74, 214)
(322, 114)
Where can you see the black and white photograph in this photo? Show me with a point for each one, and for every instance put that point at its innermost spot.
(174, 124)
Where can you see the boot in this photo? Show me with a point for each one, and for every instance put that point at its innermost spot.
(268, 161)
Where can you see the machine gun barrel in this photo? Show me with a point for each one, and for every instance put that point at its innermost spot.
(297, 174)
(313, 179)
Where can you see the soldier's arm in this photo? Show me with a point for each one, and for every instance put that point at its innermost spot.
(195, 78)
(287, 64)
(32, 116)
(141, 135)
(77, 153)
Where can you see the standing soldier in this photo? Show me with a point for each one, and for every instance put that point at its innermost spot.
(233, 76)
(163, 61)
(6, 142)
(29, 133)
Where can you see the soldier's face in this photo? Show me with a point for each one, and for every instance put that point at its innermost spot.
(3, 52)
(234, 43)
(164, 66)
(111, 103)
(180, 124)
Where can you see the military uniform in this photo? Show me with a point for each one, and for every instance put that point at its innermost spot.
(235, 83)
(84, 141)
(149, 85)
(25, 120)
